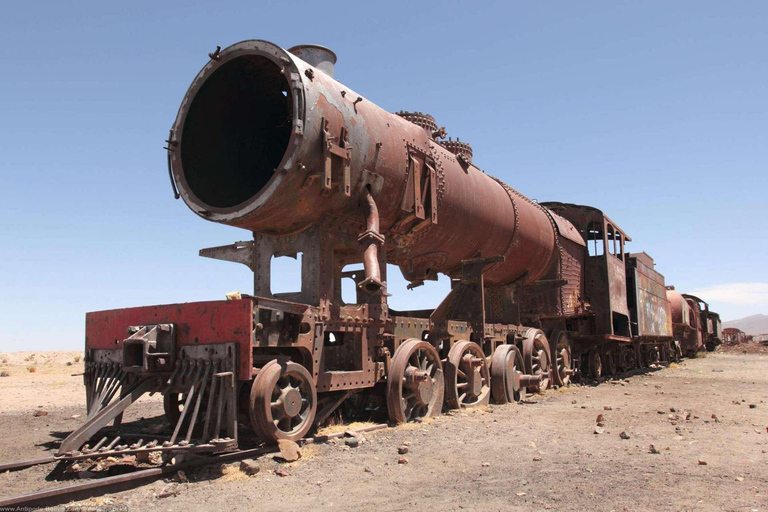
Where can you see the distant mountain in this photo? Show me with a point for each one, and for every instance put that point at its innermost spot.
(755, 324)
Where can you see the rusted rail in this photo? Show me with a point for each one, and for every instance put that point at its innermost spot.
(97, 487)
(23, 464)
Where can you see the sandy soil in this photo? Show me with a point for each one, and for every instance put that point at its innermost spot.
(40, 379)
(541, 455)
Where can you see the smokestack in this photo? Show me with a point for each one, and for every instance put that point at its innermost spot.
(317, 56)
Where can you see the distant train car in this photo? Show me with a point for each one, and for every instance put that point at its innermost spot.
(695, 326)
(711, 327)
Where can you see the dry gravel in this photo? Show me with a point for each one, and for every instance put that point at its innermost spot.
(542, 455)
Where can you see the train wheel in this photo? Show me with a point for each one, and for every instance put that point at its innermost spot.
(173, 404)
(677, 351)
(561, 351)
(415, 385)
(651, 355)
(283, 402)
(627, 359)
(467, 378)
(536, 356)
(639, 358)
(609, 366)
(506, 369)
(595, 364)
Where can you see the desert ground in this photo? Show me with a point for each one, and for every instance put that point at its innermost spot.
(692, 436)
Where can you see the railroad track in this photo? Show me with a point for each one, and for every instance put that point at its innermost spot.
(99, 486)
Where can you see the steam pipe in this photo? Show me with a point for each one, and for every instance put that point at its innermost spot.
(370, 241)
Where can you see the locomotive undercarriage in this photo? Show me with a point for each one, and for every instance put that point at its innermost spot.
(288, 365)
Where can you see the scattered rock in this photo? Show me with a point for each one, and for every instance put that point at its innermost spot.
(352, 442)
(281, 472)
(402, 460)
(249, 467)
(368, 470)
(74, 416)
(40, 413)
(624, 435)
(182, 477)
(599, 430)
(672, 409)
(402, 450)
(573, 402)
(739, 478)
(289, 451)
(485, 464)
(519, 494)
(660, 412)
(600, 418)
(537, 459)
(169, 492)
(752, 406)
(406, 443)
(702, 463)
(652, 449)
(714, 417)
(607, 408)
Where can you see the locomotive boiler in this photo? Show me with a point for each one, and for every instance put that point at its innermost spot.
(268, 141)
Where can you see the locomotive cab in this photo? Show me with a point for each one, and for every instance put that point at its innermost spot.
(605, 281)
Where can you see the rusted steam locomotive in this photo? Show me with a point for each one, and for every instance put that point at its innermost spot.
(267, 140)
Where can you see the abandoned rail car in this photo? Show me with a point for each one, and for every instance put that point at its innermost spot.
(268, 141)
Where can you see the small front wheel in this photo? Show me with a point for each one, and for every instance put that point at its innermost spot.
(283, 402)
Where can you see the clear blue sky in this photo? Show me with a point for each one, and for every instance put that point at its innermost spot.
(655, 112)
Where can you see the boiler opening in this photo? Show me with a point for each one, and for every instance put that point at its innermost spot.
(236, 131)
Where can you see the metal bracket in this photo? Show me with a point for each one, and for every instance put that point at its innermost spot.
(339, 148)
(149, 348)
(421, 187)
(238, 252)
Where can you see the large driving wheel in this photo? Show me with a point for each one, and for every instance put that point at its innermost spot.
(467, 378)
(415, 384)
(536, 356)
(560, 348)
(506, 369)
(283, 402)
